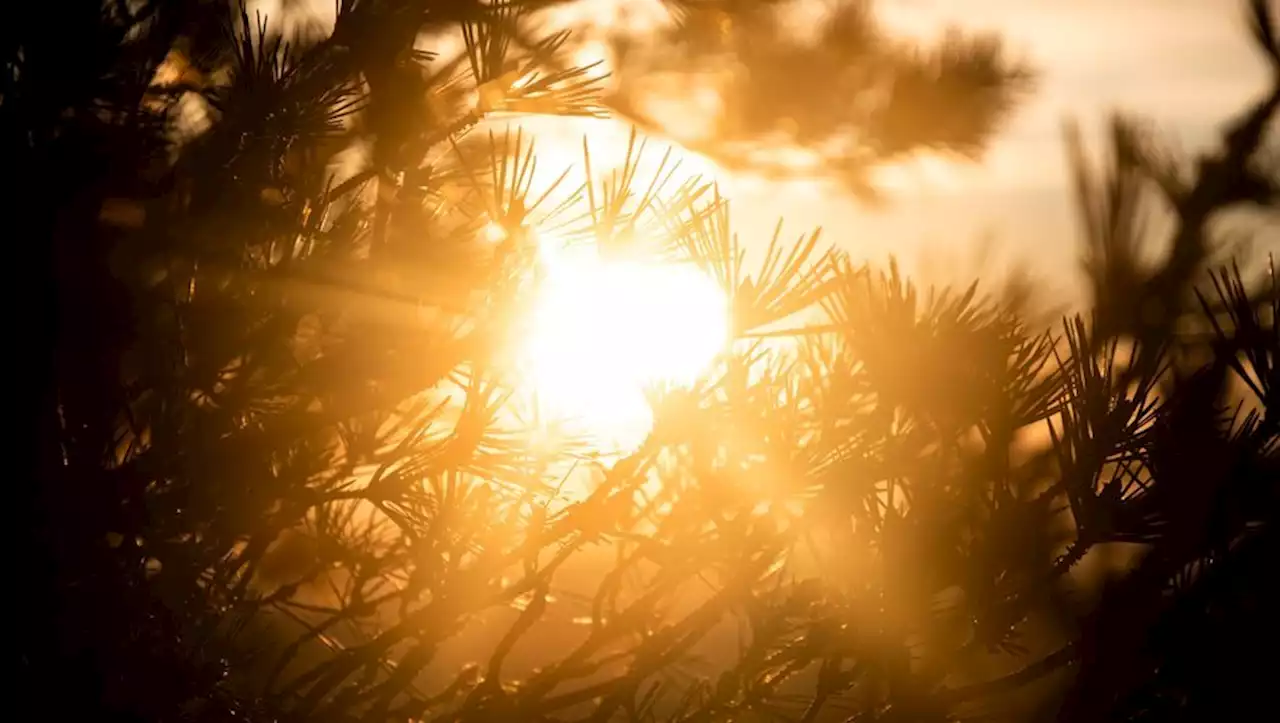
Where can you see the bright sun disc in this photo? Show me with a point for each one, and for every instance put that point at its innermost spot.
(602, 331)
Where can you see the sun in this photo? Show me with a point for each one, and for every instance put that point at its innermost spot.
(602, 331)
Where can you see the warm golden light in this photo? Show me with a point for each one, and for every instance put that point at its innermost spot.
(601, 331)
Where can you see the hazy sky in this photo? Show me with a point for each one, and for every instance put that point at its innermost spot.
(1183, 63)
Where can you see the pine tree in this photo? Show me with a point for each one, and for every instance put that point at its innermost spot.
(276, 472)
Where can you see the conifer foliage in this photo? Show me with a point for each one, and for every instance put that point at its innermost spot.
(278, 468)
(845, 94)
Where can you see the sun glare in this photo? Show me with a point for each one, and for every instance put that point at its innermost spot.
(602, 331)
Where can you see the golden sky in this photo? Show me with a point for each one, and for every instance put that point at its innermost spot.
(1183, 63)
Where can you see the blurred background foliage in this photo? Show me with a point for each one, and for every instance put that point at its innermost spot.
(825, 94)
(275, 467)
